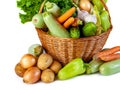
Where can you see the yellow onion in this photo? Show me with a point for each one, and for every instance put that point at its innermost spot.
(85, 5)
(28, 60)
(32, 75)
(19, 70)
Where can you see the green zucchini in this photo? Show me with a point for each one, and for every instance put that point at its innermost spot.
(99, 4)
(105, 20)
(55, 28)
(110, 68)
(53, 8)
(93, 66)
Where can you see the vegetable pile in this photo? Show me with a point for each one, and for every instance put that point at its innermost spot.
(36, 66)
(66, 18)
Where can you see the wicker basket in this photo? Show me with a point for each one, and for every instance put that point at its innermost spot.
(66, 49)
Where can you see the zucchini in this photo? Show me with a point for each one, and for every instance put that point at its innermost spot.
(105, 20)
(55, 28)
(110, 68)
(93, 66)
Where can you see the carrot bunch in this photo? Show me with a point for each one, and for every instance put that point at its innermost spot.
(109, 54)
(67, 20)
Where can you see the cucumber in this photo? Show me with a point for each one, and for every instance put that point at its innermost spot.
(55, 28)
(110, 68)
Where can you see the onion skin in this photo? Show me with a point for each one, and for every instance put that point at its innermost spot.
(28, 60)
(85, 5)
(19, 70)
(32, 75)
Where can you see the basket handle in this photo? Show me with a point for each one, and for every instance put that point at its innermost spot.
(105, 5)
(41, 7)
(106, 8)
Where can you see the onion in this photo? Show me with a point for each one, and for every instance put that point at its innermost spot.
(19, 70)
(32, 75)
(28, 60)
(85, 5)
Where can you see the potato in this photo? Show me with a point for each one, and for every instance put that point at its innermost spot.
(19, 70)
(56, 66)
(47, 76)
(44, 61)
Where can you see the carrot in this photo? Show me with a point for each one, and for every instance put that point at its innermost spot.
(66, 15)
(68, 22)
(110, 57)
(107, 52)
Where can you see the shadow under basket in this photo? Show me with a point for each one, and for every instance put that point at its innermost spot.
(66, 49)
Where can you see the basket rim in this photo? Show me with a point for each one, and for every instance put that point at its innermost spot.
(82, 38)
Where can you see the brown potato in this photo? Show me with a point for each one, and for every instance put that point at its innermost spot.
(44, 61)
(56, 66)
(19, 70)
(32, 75)
(47, 76)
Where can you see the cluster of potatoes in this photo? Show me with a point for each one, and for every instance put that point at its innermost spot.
(37, 66)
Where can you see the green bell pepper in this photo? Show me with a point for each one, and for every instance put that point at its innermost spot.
(89, 29)
(72, 69)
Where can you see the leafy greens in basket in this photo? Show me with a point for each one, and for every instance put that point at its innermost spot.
(31, 7)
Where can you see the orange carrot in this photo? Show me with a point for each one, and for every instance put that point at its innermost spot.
(107, 52)
(66, 15)
(110, 57)
(68, 22)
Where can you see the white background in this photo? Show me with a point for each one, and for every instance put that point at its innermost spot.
(15, 38)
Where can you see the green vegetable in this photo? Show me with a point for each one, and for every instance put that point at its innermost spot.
(89, 29)
(93, 66)
(72, 69)
(63, 4)
(38, 21)
(35, 49)
(74, 32)
(98, 24)
(56, 29)
(98, 4)
(110, 67)
(53, 8)
(31, 7)
(105, 1)
(105, 20)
